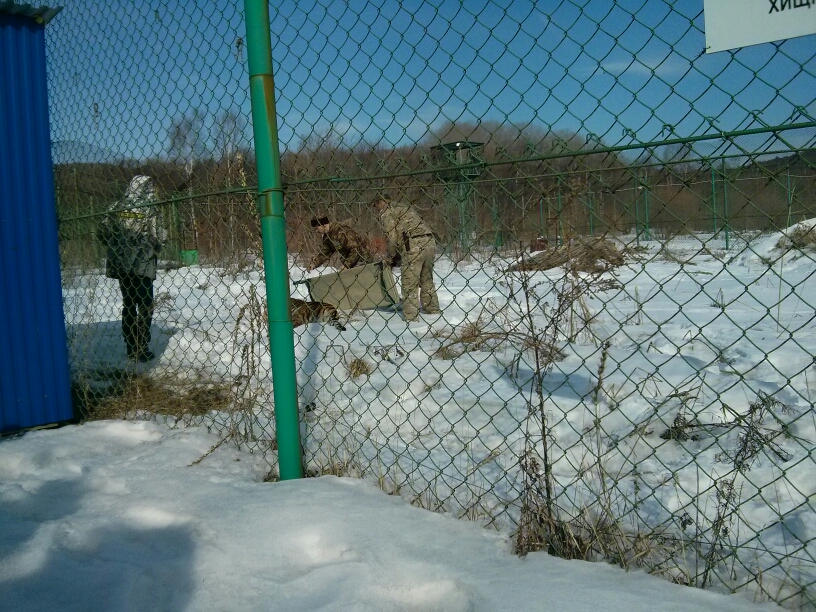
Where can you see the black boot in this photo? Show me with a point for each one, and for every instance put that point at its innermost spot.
(145, 356)
(144, 321)
(129, 334)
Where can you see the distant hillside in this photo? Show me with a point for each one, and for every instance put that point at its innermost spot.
(805, 157)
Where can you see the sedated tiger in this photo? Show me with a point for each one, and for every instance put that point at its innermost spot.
(304, 312)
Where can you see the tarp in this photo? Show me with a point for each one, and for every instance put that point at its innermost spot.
(360, 288)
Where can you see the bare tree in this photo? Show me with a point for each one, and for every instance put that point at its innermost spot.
(229, 135)
(229, 130)
(187, 141)
(187, 145)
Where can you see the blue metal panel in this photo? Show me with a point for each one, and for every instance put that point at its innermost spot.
(34, 380)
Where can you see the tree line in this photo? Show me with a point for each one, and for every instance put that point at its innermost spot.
(513, 186)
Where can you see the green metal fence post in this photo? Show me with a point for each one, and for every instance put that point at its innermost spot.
(726, 224)
(498, 237)
(591, 204)
(273, 234)
(559, 228)
(647, 232)
(714, 198)
(638, 189)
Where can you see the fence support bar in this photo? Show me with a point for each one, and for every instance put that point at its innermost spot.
(273, 234)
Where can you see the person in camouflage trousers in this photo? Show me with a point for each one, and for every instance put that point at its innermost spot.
(339, 238)
(133, 234)
(410, 244)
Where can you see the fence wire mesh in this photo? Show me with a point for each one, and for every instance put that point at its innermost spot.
(622, 365)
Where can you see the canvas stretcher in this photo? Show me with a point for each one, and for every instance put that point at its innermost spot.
(361, 288)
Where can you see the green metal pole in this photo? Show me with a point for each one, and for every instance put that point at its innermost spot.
(638, 189)
(726, 224)
(559, 228)
(466, 214)
(176, 225)
(714, 198)
(450, 205)
(591, 203)
(646, 201)
(273, 234)
(790, 199)
(497, 234)
(464, 222)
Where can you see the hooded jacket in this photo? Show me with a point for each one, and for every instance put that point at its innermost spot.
(132, 232)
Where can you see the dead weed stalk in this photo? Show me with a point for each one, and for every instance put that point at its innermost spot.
(753, 439)
(542, 525)
(248, 341)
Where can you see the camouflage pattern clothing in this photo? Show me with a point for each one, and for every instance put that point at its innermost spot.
(132, 232)
(133, 236)
(411, 241)
(340, 238)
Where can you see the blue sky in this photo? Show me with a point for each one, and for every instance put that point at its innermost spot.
(389, 72)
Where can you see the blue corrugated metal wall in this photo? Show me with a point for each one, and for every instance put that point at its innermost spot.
(34, 381)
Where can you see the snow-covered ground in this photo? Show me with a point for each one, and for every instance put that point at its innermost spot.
(699, 433)
(117, 516)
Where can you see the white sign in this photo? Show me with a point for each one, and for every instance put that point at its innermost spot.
(730, 24)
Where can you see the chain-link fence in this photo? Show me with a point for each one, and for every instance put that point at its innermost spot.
(622, 365)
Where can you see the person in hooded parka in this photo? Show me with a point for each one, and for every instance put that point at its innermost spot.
(133, 234)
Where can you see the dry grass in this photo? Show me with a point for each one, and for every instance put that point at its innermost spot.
(164, 302)
(358, 367)
(548, 353)
(668, 255)
(471, 332)
(589, 537)
(471, 336)
(579, 254)
(340, 463)
(159, 396)
(448, 352)
(802, 237)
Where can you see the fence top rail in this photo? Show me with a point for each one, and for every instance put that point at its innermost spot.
(173, 200)
(566, 152)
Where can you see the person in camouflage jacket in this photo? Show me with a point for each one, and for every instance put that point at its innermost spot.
(133, 236)
(339, 238)
(412, 245)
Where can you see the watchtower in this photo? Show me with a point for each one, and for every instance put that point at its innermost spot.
(458, 164)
